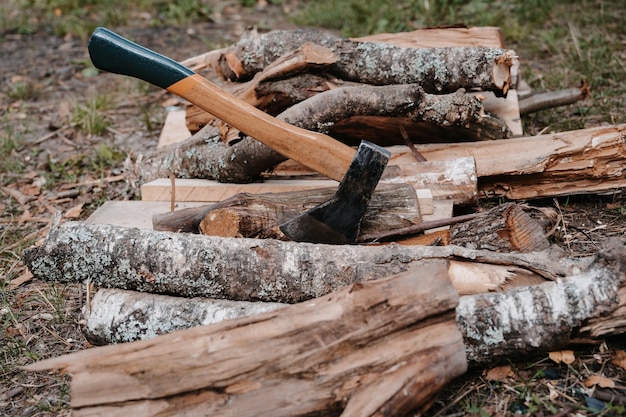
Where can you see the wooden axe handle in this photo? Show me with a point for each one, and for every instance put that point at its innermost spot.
(114, 53)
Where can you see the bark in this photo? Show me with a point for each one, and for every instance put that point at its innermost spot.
(502, 312)
(119, 316)
(542, 317)
(204, 155)
(241, 269)
(437, 70)
(406, 102)
(379, 348)
(248, 215)
(506, 228)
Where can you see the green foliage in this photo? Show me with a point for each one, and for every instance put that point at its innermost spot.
(9, 144)
(80, 17)
(91, 116)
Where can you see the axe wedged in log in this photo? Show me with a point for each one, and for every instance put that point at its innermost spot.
(335, 221)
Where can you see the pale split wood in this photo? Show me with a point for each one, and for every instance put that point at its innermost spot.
(485, 36)
(453, 179)
(573, 162)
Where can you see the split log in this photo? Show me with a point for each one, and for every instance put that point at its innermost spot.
(242, 269)
(437, 70)
(379, 348)
(567, 163)
(542, 317)
(505, 228)
(257, 216)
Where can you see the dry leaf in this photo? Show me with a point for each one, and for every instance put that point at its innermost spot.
(619, 359)
(25, 277)
(74, 212)
(565, 356)
(499, 373)
(600, 381)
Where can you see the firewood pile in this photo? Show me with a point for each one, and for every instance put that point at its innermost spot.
(211, 309)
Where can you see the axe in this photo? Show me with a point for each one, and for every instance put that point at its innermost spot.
(336, 221)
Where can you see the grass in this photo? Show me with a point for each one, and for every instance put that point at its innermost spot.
(80, 18)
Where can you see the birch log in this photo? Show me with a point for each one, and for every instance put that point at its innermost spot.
(384, 347)
(497, 317)
(241, 269)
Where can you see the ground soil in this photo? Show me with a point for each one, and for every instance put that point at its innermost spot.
(58, 71)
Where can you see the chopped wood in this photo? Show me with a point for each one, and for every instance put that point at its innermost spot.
(566, 163)
(435, 69)
(406, 103)
(384, 347)
(505, 228)
(422, 38)
(247, 215)
(117, 316)
(542, 317)
(485, 36)
(241, 269)
(542, 101)
(454, 180)
(504, 311)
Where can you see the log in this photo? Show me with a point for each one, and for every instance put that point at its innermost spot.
(502, 313)
(120, 316)
(242, 269)
(379, 348)
(257, 216)
(437, 70)
(567, 163)
(543, 317)
(505, 228)
(388, 104)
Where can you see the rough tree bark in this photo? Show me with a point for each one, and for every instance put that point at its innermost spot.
(240, 269)
(437, 70)
(497, 319)
(379, 348)
(405, 102)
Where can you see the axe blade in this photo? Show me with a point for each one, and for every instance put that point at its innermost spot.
(338, 220)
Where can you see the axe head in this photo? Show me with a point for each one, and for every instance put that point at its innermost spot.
(338, 220)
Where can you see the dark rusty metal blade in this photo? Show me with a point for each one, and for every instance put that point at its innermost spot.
(338, 220)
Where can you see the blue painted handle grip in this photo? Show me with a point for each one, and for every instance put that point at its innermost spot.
(114, 53)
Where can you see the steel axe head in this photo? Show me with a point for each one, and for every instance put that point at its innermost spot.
(338, 220)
